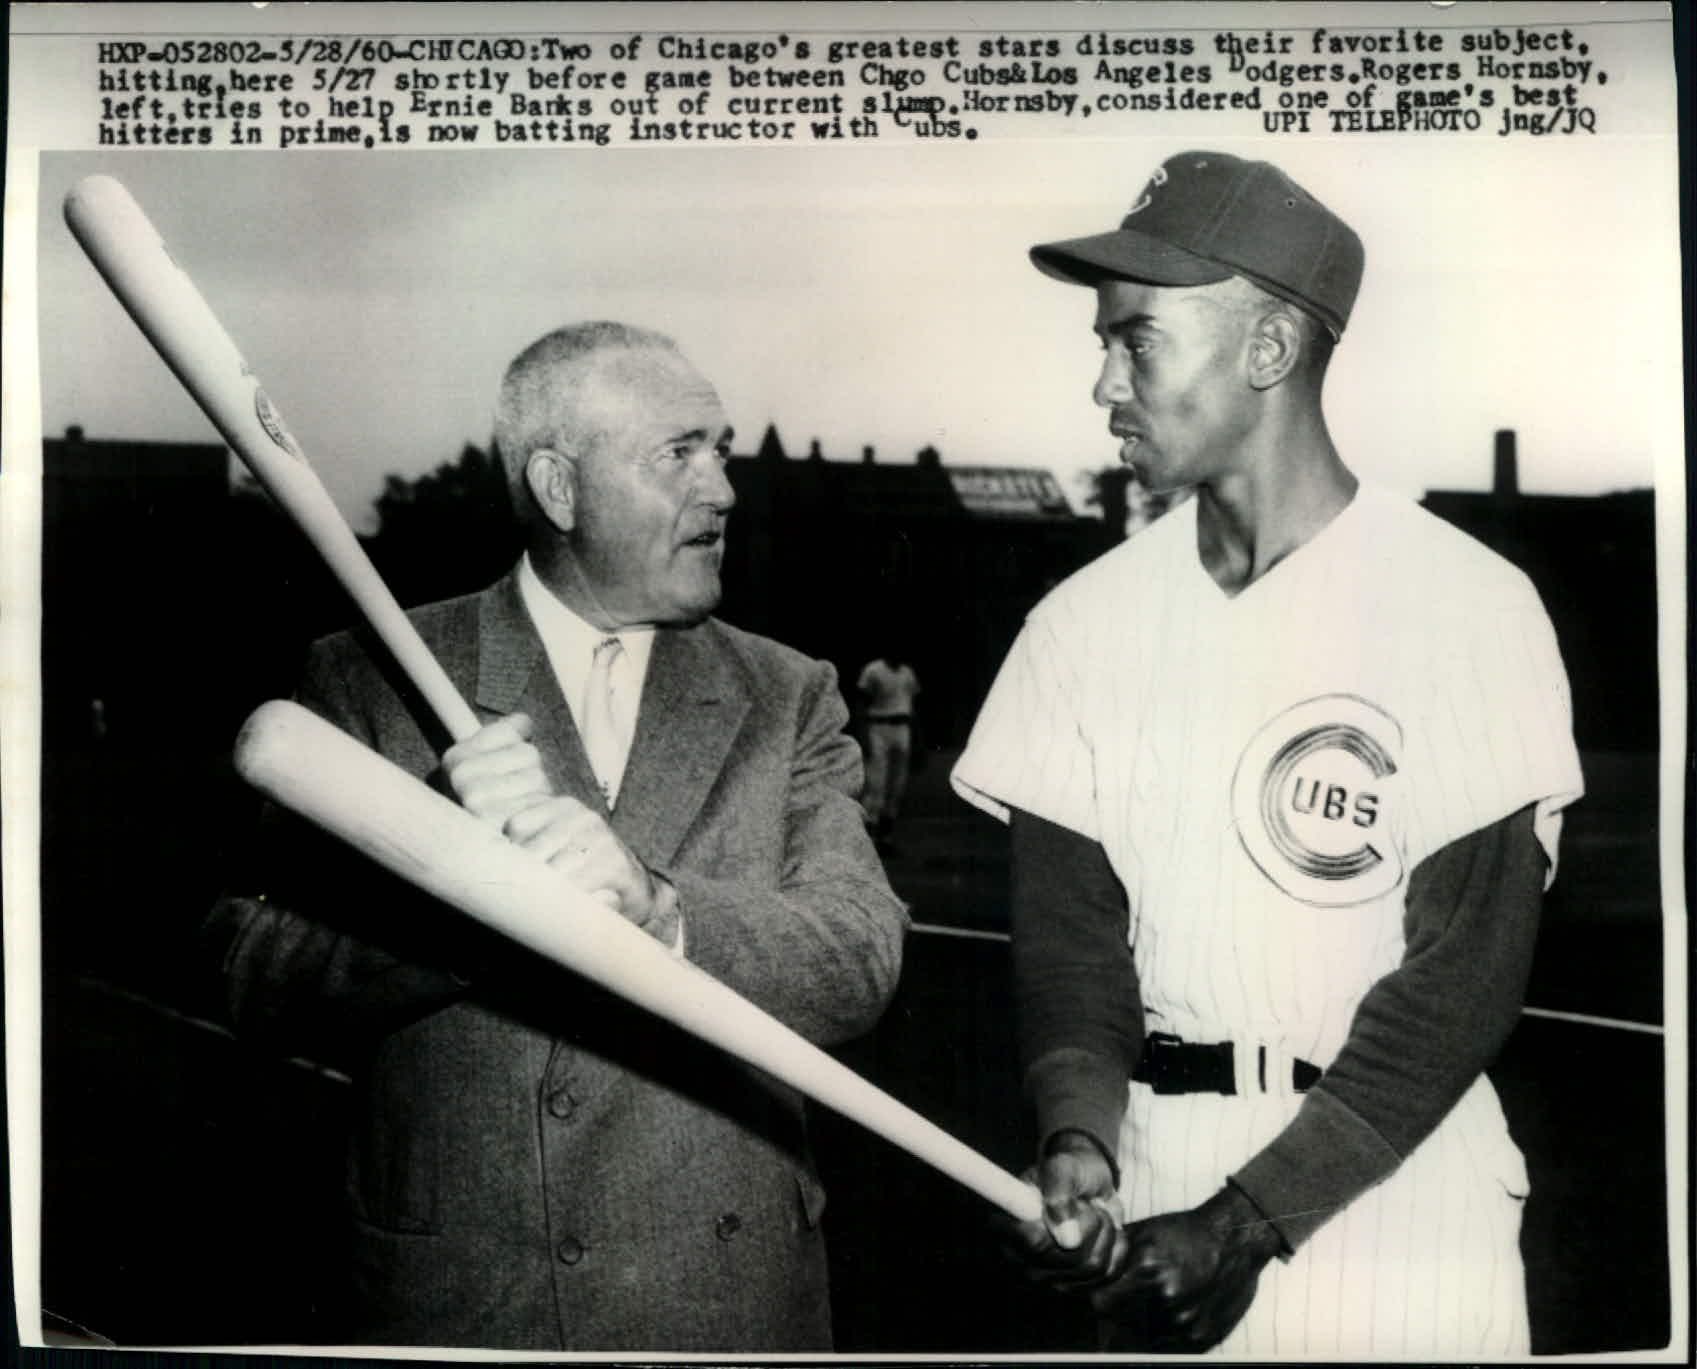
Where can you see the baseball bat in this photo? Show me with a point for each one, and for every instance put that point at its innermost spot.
(157, 293)
(309, 766)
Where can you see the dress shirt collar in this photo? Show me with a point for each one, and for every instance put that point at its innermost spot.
(570, 641)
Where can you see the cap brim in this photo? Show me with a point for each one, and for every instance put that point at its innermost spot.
(1125, 255)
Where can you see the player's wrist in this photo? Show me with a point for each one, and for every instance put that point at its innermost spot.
(1241, 1225)
(1074, 1169)
(1077, 1142)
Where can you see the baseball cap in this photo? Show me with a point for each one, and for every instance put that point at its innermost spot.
(1206, 216)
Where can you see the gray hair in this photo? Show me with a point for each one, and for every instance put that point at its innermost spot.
(539, 392)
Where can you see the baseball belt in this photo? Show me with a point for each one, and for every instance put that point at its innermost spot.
(1169, 1065)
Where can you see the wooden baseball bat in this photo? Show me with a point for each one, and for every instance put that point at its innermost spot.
(157, 293)
(307, 765)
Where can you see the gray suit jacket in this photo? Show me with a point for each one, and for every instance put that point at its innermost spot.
(535, 1164)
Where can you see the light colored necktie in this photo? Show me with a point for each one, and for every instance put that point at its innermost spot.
(605, 708)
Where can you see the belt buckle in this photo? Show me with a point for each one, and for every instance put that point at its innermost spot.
(1169, 1064)
(1161, 1062)
(1172, 1066)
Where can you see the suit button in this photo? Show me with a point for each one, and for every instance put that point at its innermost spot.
(727, 1226)
(561, 1104)
(569, 1250)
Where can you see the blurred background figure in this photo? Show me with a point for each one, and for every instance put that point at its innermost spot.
(889, 689)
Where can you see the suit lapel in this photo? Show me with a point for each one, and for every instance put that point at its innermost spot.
(513, 675)
(693, 705)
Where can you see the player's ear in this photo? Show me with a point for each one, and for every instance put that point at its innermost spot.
(1275, 348)
(552, 477)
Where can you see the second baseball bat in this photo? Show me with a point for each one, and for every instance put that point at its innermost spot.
(312, 768)
(157, 293)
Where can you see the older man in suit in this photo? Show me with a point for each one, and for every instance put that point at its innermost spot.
(533, 1164)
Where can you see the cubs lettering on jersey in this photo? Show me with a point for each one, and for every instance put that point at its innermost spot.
(1311, 799)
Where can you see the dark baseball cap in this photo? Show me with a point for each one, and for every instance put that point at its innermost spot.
(1207, 216)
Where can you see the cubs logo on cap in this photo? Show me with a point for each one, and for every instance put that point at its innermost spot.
(1155, 183)
(1313, 799)
(1204, 217)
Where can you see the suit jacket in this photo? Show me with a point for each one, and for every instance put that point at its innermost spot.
(535, 1164)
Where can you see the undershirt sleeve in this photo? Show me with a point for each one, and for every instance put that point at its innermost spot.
(1075, 986)
(1422, 1034)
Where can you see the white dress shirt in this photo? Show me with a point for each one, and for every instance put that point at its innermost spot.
(570, 643)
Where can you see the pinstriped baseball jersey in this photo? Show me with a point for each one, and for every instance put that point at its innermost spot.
(1263, 771)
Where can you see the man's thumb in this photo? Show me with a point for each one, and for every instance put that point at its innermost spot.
(1066, 1220)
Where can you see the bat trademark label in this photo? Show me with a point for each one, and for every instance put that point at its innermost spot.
(272, 422)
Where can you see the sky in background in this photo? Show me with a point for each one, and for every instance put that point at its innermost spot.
(880, 295)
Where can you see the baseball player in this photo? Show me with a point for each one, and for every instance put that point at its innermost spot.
(888, 687)
(1285, 775)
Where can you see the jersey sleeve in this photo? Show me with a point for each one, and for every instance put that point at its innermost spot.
(1495, 733)
(1029, 748)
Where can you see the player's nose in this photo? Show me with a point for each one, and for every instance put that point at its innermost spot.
(1113, 384)
(713, 485)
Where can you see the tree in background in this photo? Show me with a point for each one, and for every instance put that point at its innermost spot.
(451, 531)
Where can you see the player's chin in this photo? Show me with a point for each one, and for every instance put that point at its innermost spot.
(1156, 480)
(693, 593)
(1144, 470)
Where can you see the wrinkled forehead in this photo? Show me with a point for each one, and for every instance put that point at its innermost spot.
(634, 391)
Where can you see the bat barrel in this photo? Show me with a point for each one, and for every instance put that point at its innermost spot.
(132, 258)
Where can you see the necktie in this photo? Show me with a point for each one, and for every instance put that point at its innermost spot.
(605, 709)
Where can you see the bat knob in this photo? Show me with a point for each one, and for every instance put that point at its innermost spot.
(100, 200)
(1068, 1233)
(272, 733)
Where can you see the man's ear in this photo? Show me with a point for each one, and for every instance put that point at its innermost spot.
(552, 477)
(1275, 348)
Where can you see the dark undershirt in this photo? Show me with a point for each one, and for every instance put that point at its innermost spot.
(1421, 1036)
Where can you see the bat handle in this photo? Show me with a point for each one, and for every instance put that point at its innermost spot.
(1018, 1199)
(417, 662)
(292, 483)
